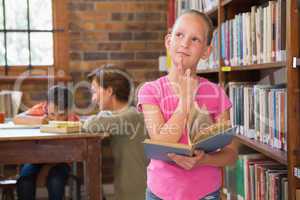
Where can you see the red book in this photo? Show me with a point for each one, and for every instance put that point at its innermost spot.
(171, 13)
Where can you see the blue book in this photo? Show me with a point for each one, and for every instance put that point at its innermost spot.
(159, 150)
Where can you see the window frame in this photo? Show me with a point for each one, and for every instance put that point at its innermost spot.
(60, 48)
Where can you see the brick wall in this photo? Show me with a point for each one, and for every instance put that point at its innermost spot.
(128, 33)
(125, 32)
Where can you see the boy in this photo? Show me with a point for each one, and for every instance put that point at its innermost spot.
(111, 89)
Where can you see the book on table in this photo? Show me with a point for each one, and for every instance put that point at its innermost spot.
(203, 135)
(62, 127)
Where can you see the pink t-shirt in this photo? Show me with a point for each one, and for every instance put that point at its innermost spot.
(169, 181)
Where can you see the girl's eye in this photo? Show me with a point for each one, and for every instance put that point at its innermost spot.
(180, 35)
(197, 40)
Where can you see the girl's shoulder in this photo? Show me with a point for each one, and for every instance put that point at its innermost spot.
(155, 86)
(205, 84)
(158, 82)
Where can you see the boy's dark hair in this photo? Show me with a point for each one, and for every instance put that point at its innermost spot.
(118, 79)
(61, 97)
(206, 19)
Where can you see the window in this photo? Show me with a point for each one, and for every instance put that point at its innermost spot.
(30, 33)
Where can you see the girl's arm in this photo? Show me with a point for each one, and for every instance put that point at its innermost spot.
(171, 131)
(160, 130)
(23, 118)
(226, 156)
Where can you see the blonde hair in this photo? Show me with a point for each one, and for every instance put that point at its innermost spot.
(205, 18)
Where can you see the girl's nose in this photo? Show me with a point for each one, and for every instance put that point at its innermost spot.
(185, 42)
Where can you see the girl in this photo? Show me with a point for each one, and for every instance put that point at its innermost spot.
(166, 104)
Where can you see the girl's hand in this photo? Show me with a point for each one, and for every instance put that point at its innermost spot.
(187, 162)
(187, 88)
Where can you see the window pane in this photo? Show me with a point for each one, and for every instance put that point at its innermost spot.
(16, 14)
(40, 12)
(17, 49)
(41, 48)
(1, 15)
(2, 50)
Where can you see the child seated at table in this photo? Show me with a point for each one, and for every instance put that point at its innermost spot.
(58, 107)
(111, 91)
(59, 101)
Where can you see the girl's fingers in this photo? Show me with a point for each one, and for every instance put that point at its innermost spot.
(180, 65)
(188, 73)
(183, 161)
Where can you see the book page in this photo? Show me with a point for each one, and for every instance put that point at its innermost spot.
(199, 119)
(210, 131)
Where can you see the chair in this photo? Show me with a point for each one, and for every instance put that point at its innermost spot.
(8, 187)
(8, 184)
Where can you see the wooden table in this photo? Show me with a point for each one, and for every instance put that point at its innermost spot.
(19, 146)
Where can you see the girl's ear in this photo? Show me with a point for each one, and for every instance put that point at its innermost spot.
(110, 91)
(168, 41)
(206, 52)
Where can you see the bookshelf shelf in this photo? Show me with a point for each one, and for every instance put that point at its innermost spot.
(276, 154)
(255, 67)
(208, 71)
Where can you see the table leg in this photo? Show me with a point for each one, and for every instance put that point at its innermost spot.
(93, 177)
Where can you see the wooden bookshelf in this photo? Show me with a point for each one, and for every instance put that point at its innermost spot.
(225, 2)
(227, 10)
(208, 71)
(276, 154)
(276, 65)
(297, 152)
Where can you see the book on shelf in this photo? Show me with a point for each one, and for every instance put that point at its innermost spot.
(255, 37)
(171, 13)
(201, 5)
(260, 112)
(255, 177)
(202, 135)
(297, 171)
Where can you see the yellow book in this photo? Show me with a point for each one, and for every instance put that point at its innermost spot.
(61, 127)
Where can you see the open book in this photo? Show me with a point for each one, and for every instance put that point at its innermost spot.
(202, 135)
